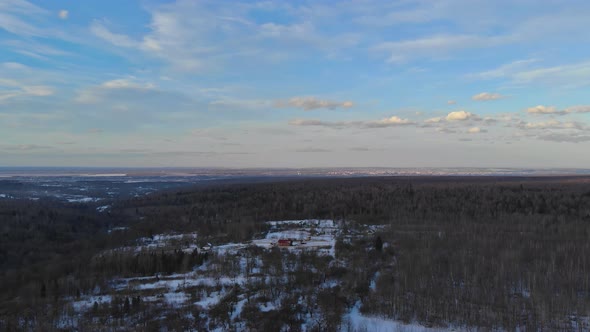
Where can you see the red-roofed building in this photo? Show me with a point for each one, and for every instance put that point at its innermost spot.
(285, 243)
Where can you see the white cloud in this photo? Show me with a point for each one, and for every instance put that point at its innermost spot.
(226, 32)
(392, 121)
(389, 122)
(124, 83)
(298, 30)
(106, 90)
(434, 120)
(306, 122)
(38, 90)
(451, 102)
(243, 104)
(312, 103)
(328, 124)
(14, 66)
(400, 16)
(487, 96)
(433, 46)
(15, 16)
(578, 109)
(10, 88)
(63, 14)
(20, 7)
(477, 24)
(305, 35)
(541, 109)
(99, 30)
(552, 110)
(521, 73)
(130, 103)
(568, 75)
(459, 116)
(32, 27)
(17, 26)
(489, 120)
(33, 49)
(475, 130)
(542, 125)
(554, 124)
(504, 70)
(223, 34)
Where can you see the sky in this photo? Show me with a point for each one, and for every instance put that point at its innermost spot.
(401, 83)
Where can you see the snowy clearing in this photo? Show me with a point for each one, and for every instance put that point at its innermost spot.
(88, 302)
(83, 200)
(241, 277)
(359, 322)
(103, 208)
(312, 234)
(185, 242)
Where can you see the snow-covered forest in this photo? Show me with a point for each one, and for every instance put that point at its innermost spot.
(362, 254)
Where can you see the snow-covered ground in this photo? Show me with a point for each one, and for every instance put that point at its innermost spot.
(186, 242)
(83, 200)
(320, 223)
(175, 282)
(88, 301)
(118, 229)
(160, 240)
(230, 267)
(310, 234)
(356, 321)
(315, 235)
(103, 208)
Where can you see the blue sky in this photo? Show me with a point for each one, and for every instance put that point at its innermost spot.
(406, 83)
